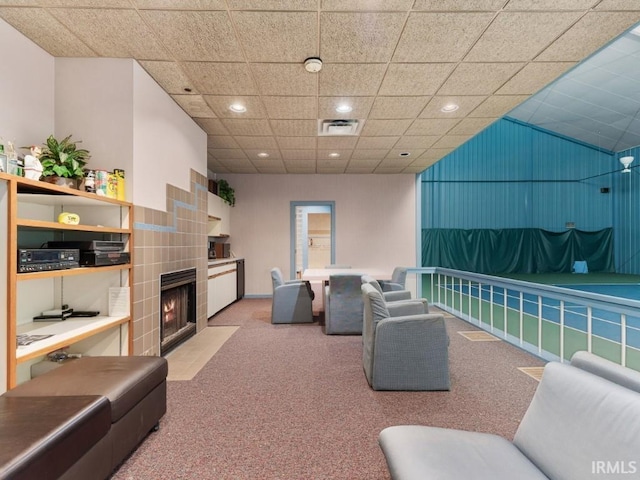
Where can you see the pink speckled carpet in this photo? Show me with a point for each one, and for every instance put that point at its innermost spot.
(288, 402)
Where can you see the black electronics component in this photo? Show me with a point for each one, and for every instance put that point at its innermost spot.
(99, 259)
(44, 259)
(91, 245)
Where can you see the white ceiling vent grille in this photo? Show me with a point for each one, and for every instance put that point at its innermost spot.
(339, 127)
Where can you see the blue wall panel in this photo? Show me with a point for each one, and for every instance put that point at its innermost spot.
(626, 194)
(514, 176)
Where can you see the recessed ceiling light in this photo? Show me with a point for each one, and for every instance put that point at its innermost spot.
(334, 154)
(238, 108)
(263, 154)
(450, 107)
(187, 89)
(343, 108)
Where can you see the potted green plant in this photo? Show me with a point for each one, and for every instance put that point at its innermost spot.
(226, 193)
(63, 162)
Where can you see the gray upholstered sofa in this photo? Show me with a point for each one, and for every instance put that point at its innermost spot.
(583, 422)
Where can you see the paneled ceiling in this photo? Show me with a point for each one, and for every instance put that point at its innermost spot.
(396, 63)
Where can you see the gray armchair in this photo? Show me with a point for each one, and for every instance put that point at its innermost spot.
(291, 300)
(343, 305)
(397, 282)
(402, 347)
(389, 296)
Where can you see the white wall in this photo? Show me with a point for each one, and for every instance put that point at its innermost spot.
(168, 144)
(26, 89)
(26, 118)
(375, 219)
(120, 113)
(94, 104)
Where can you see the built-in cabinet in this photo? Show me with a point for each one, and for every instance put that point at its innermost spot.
(221, 285)
(31, 209)
(219, 212)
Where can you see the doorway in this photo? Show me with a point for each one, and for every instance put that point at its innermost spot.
(312, 235)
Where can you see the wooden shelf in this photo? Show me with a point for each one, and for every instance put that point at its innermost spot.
(64, 333)
(39, 224)
(71, 272)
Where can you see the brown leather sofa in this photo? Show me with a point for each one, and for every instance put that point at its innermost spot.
(80, 421)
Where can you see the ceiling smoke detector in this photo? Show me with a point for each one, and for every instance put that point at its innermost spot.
(313, 64)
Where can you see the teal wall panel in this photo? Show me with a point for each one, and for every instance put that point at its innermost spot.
(626, 194)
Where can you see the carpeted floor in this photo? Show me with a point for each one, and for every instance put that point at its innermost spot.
(288, 402)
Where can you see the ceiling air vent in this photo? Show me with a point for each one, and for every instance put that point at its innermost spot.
(338, 127)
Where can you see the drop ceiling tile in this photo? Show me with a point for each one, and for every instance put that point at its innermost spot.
(194, 105)
(259, 142)
(360, 107)
(519, 36)
(169, 76)
(330, 170)
(351, 79)
(212, 126)
(478, 78)
(294, 128)
(377, 143)
(397, 107)
(404, 79)
(451, 141)
(221, 141)
(182, 5)
(365, 162)
(617, 5)
(592, 31)
(368, 155)
(220, 78)
(46, 31)
(302, 170)
(414, 169)
(83, 3)
(550, 4)
(335, 164)
(291, 107)
(237, 164)
(533, 77)
(299, 155)
(465, 105)
(377, 128)
(337, 143)
(393, 163)
(220, 105)
(226, 153)
(498, 105)
(388, 170)
(420, 164)
(432, 126)
(471, 126)
(359, 37)
(296, 143)
(284, 79)
(273, 5)
(355, 5)
(456, 5)
(420, 141)
(358, 170)
(113, 33)
(439, 37)
(195, 35)
(280, 169)
(274, 155)
(277, 36)
(241, 126)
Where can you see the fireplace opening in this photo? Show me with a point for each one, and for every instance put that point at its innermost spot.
(177, 308)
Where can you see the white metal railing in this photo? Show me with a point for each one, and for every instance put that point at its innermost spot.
(548, 321)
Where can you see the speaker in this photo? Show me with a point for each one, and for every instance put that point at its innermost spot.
(604, 190)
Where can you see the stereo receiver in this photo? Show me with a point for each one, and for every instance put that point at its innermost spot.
(44, 259)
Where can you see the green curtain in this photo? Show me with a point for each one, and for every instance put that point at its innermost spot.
(517, 250)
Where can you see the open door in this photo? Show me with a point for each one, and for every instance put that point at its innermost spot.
(312, 235)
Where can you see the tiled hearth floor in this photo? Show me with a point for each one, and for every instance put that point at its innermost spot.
(186, 360)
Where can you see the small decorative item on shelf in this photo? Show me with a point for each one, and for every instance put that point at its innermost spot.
(69, 218)
(32, 165)
(62, 161)
(226, 193)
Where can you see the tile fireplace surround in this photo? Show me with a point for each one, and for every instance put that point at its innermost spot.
(166, 241)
